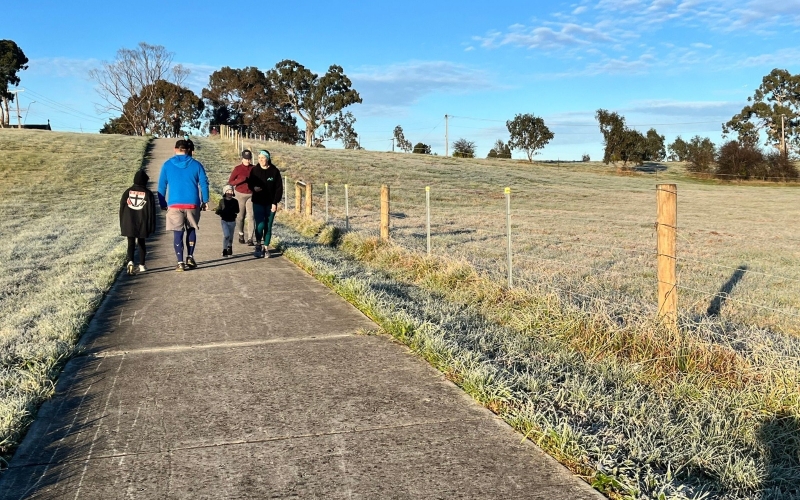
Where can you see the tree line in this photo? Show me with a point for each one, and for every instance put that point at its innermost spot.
(772, 115)
(148, 94)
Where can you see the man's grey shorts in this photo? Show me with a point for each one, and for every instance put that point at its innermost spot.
(179, 219)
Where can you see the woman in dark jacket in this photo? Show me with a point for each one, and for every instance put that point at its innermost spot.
(267, 186)
(137, 218)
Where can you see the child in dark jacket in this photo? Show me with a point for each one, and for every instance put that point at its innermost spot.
(227, 209)
(137, 218)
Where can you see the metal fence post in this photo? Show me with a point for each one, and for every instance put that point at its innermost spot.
(428, 217)
(326, 203)
(346, 209)
(508, 232)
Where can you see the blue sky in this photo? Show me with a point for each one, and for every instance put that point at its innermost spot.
(680, 66)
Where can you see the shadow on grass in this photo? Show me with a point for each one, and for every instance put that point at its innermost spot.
(780, 436)
(55, 447)
(650, 168)
(719, 299)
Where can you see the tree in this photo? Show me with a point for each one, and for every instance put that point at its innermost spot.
(500, 150)
(400, 139)
(172, 102)
(654, 149)
(421, 148)
(342, 129)
(463, 148)
(678, 150)
(245, 99)
(117, 125)
(313, 98)
(700, 154)
(777, 96)
(625, 144)
(738, 160)
(528, 133)
(12, 60)
(128, 84)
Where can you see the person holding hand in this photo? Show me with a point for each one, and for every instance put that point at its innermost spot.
(267, 186)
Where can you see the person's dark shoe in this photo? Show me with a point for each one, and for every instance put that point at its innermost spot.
(250, 243)
(230, 251)
(241, 238)
(224, 252)
(190, 263)
(257, 253)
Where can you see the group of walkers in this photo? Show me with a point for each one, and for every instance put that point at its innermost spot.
(249, 203)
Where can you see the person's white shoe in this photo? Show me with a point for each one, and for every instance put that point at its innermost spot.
(142, 268)
(129, 268)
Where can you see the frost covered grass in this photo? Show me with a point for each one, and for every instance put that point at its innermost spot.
(60, 252)
(582, 231)
(637, 416)
(572, 358)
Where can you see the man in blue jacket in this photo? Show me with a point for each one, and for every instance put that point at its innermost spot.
(183, 191)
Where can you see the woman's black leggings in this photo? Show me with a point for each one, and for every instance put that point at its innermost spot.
(132, 246)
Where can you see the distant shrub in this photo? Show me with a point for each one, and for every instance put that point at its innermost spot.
(421, 148)
(780, 167)
(585, 158)
(700, 155)
(463, 148)
(736, 160)
(678, 150)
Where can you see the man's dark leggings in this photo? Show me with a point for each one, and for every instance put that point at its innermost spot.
(132, 247)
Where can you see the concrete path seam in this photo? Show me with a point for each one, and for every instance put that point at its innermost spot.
(256, 441)
(216, 345)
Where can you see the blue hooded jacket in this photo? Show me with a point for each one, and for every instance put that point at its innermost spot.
(178, 181)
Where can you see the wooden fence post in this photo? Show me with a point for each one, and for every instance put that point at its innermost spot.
(666, 230)
(298, 197)
(308, 200)
(385, 212)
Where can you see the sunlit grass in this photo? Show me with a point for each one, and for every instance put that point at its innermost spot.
(60, 252)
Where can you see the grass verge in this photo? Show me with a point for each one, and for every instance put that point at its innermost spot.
(61, 251)
(638, 413)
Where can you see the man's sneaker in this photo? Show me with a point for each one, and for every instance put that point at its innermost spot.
(230, 251)
(190, 263)
(142, 268)
(129, 268)
(225, 252)
(250, 243)
(257, 254)
(181, 267)
(241, 238)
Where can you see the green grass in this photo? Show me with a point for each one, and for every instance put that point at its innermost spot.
(60, 252)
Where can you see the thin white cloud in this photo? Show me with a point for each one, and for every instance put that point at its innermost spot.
(701, 45)
(62, 67)
(385, 88)
(777, 58)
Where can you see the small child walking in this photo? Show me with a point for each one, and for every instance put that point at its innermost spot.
(137, 219)
(227, 209)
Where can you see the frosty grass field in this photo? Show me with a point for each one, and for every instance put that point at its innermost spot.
(570, 357)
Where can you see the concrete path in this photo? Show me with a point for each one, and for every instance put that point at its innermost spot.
(246, 378)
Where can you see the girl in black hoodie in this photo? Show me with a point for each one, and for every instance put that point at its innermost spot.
(137, 218)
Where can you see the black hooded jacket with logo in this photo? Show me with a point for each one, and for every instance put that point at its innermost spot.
(137, 209)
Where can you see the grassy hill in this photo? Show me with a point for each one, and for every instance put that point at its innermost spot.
(60, 252)
(580, 228)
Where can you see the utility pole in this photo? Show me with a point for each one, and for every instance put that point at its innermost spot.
(392, 139)
(16, 98)
(783, 136)
(445, 136)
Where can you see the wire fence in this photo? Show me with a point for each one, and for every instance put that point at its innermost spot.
(598, 259)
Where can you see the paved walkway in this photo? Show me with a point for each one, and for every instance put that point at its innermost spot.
(177, 395)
